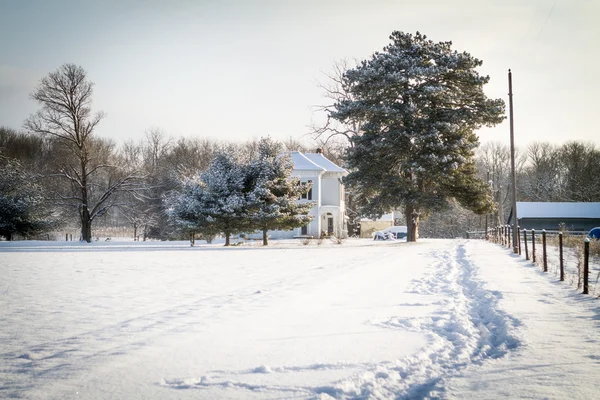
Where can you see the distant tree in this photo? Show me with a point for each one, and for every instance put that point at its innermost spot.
(421, 103)
(337, 89)
(453, 222)
(493, 162)
(146, 210)
(540, 180)
(273, 195)
(292, 144)
(65, 97)
(23, 209)
(579, 166)
(30, 150)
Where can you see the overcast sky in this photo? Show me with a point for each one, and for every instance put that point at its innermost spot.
(237, 70)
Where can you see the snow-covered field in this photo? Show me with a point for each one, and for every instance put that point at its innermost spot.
(364, 319)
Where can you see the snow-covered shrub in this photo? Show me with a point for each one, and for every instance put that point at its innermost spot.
(23, 207)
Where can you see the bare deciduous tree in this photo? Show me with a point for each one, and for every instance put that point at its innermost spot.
(65, 97)
(336, 89)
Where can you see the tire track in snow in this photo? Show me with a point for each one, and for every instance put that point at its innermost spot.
(468, 328)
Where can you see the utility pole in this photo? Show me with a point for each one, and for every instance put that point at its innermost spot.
(486, 215)
(512, 163)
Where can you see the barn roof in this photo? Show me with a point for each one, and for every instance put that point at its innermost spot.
(557, 210)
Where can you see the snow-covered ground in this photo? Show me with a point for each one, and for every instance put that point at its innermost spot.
(364, 319)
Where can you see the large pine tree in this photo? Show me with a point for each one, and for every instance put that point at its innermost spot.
(420, 103)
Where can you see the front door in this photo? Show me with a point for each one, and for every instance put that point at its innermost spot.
(304, 230)
(330, 225)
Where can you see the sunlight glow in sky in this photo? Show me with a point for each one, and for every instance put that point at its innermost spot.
(237, 70)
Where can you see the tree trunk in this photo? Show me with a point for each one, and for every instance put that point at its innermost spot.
(412, 223)
(86, 225)
(265, 239)
(227, 235)
(135, 238)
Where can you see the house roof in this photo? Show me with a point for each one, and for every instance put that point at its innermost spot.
(557, 210)
(327, 164)
(303, 163)
(314, 162)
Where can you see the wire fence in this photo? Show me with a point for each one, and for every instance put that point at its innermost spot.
(571, 256)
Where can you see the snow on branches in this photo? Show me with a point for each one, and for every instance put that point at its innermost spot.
(23, 209)
(232, 197)
(420, 103)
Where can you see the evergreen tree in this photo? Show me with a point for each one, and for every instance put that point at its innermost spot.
(23, 209)
(273, 195)
(186, 209)
(215, 202)
(421, 103)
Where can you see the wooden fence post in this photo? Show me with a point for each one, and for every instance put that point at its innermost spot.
(560, 250)
(544, 253)
(525, 240)
(533, 245)
(586, 264)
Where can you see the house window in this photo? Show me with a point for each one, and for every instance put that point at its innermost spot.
(308, 195)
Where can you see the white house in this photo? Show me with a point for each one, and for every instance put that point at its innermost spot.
(327, 192)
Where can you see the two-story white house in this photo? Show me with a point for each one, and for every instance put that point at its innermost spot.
(327, 192)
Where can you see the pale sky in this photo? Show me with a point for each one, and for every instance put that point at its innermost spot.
(236, 70)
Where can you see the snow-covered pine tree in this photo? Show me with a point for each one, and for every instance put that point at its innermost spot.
(187, 212)
(421, 103)
(215, 202)
(23, 209)
(273, 194)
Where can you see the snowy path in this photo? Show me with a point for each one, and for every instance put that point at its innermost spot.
(466, 328)
(559, 356)
(436, 319)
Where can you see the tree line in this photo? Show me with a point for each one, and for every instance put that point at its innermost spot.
(57, 172)
(546, 172)
(37, 197)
